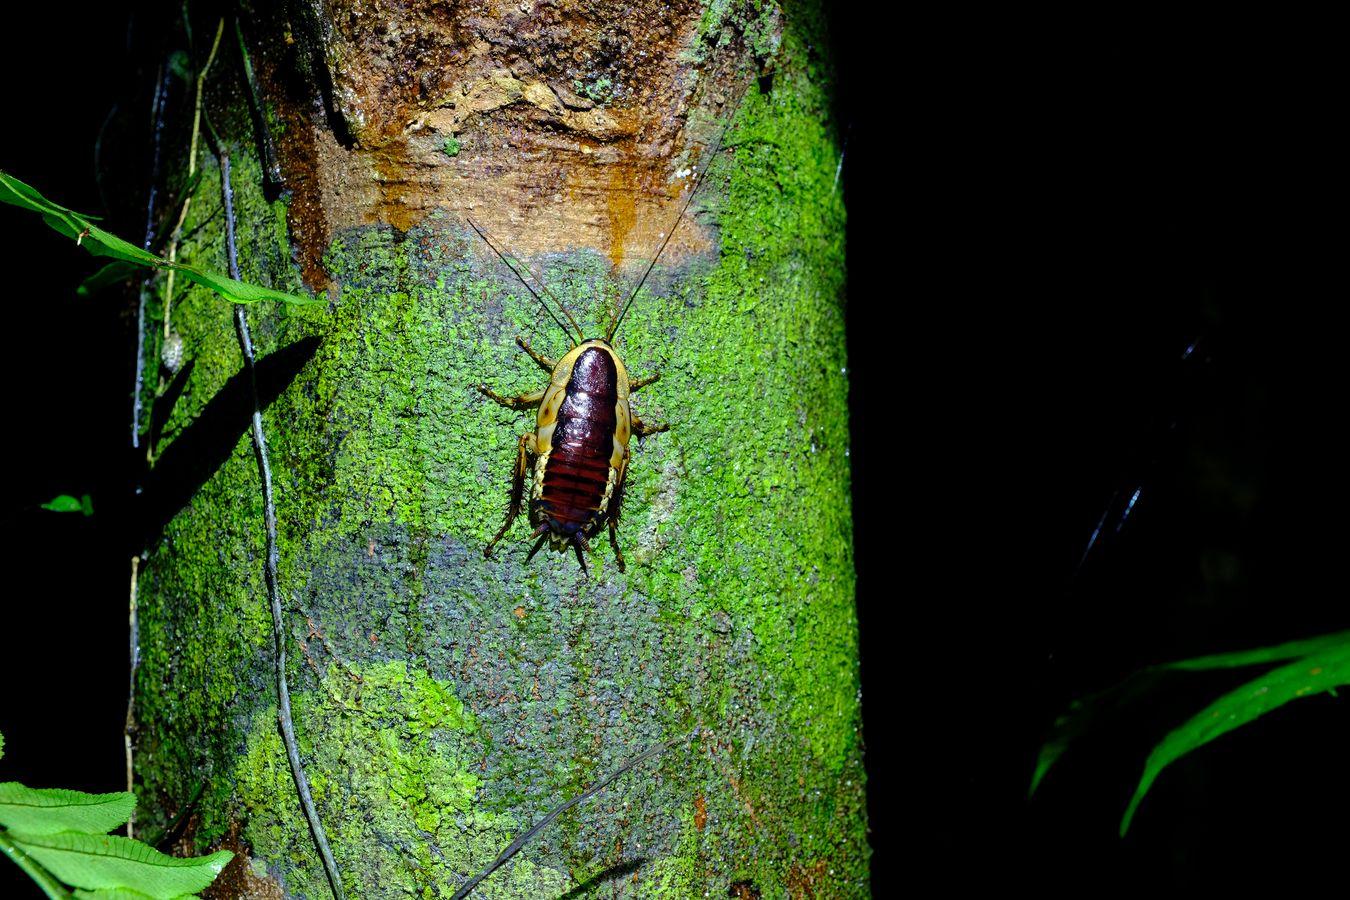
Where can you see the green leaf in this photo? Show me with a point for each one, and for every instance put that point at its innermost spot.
(1102, 706)
(113, 273)
(50, 810)
(106, 861)
(102, 243)
(1277, 653)
(119, 894)
(1085, 714)
(15, 192)
(237, 291)
(1316, 673)
(63, 503)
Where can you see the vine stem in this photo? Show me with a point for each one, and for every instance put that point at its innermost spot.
(152, 197)
(172, 255)
(273, 591)
(128, 727)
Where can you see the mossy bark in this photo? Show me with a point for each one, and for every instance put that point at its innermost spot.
(445, 701)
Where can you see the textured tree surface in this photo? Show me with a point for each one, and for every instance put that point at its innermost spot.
(444, 701)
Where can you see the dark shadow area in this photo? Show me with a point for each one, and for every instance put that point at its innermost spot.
(1041, 223)
(68, 405)
(200, 449)
(611, 874)
(166, 402)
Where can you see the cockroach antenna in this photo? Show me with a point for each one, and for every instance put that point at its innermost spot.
(529, 287)
(689, 198)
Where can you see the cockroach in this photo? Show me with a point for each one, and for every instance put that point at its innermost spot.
(579, 445)
(577, 455)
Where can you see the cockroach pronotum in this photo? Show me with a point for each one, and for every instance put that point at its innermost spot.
(579, 445)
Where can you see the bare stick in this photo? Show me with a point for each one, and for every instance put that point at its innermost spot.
(192, 170)
(157, 132)
(133, 629)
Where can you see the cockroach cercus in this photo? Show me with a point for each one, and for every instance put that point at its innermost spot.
(576, 458)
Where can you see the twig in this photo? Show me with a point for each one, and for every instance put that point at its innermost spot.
(842, 150)
(157, 130)
(271, 167)
(172, 254)
(133, 628)
(270, 570)
(543, 823)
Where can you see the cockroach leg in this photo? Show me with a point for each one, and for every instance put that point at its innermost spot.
(614, 542)
(524, 449)
(616, 508)
(542, 531)
(580, 543)
(641, 428)
(524, 401)
(548, 364)
(635, 383)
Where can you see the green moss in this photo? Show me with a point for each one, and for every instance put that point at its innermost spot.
(601, 90)
(205, 321)
(401, 817)
(673, 876)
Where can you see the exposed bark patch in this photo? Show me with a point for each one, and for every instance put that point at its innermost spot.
(558, 125)
(808, 880)
(238, 880)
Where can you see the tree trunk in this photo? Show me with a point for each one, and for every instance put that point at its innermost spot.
(444, 701)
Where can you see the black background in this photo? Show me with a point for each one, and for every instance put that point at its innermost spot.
(1044, 215)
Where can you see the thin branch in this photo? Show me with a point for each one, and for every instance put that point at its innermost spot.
(133, 627)
(273, 590)
(140, 366)
(514, 846)
(840, 168)
(271, 167)
(157, 130)
(172, 255)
